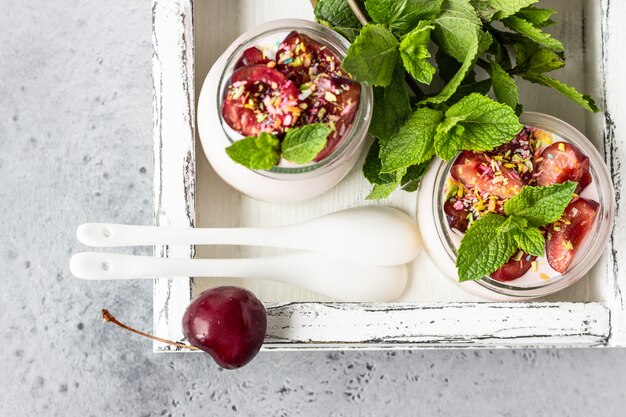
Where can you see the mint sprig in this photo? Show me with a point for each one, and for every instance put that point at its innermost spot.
(493, 239)
(261, 152)
(302, 144)
(482, 46)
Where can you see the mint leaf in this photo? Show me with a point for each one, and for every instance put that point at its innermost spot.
(413, 177)
(336, 12)
(504, 86)
(302, 144)
(500, 53)
(582, 100)
(415, 54)
(533, 33)
(391, 106)
(372, 56)
(450, 88)
(536, 16)
(499, 9)
(531, 241)
(480, 87)
(485, 247)
(448, 140)
(381, 191)
(402, 16)
(338, 15)
(537, 60)
(372, 167)
(486, 123)
(456, 29)
(261, 152)
(413, 143)
(541, 205)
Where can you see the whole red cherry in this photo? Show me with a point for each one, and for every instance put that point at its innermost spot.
(228, 323)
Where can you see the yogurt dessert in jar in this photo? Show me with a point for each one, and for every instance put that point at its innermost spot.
(547, 151)
(278, 118)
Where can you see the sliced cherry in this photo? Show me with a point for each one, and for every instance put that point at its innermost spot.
(260, 99)
(474, 170)
(457, 219)
(513, 269)
(331, 100)
(562, 162)
(565, 237)
(251, 56)
(299, 57)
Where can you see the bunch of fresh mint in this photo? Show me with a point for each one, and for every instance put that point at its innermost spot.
(392, 52)
(493, 239)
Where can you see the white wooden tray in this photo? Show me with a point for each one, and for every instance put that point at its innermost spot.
(188, 35)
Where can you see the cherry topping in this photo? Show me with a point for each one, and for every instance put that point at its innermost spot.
(260, 99)
(562, 162)
(251, 56)
(566, 235)
(513, 269)
(475, 170)
(301, 58)
(331, 100)
(228, 323)
(456, 218)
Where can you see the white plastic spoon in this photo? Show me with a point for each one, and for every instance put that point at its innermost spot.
(330, 275)
(375, 235)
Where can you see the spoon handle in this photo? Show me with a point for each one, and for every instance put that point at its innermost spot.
(109, 235)
(332, 276)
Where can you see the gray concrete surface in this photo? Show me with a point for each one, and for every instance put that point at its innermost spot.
(75, 146)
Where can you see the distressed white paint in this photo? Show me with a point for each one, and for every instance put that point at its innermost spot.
(454, 320)
(174, 132)
(611, 56)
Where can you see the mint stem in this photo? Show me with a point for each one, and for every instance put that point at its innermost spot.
(362, 18)
(358, 12)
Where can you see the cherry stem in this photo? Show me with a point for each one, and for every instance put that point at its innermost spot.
(108, 317)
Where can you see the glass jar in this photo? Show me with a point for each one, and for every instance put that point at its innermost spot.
(441, 241)
(285, 182)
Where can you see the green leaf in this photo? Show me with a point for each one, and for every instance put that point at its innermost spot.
(504, 86)
(381, 191)
(456, 29)
(448, 140)
(338, 15)
(391, 106)
(450, 88)
(541, 205)
(446, 65)
(480, 87)
(402, 16)
(536, 16)
(531, 241)
(499, 9)
(413, 177)
(486, 123)
(533, 33)
(261, 152)
(372, 167)
(485, 247)
(372, 56)
(302, 144)
(537, 60)
(500, 53)
(415, 54)
(582, 100)
(413, 143)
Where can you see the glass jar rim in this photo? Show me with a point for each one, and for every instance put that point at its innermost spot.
(349, 143)
(584, 260)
